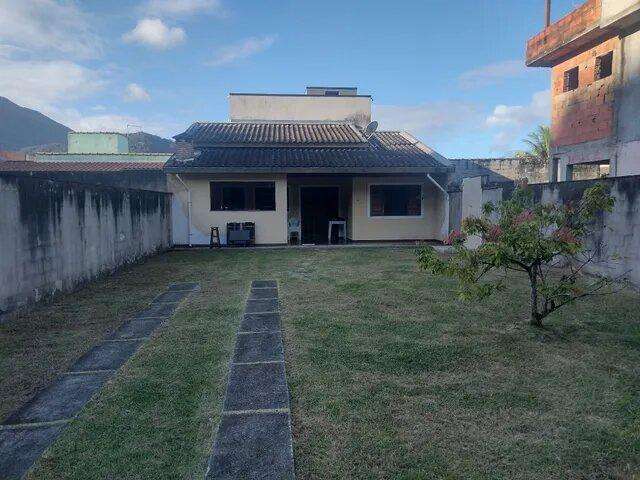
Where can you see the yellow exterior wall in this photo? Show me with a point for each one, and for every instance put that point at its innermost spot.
(271, 227)
(426, 227)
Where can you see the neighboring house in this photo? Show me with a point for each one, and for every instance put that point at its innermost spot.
(99, 158)
(282, 172)
(594, 53)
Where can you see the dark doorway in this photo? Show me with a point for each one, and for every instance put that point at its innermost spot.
(318, 205)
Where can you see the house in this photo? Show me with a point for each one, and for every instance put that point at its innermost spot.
(102, 158)
(594, 56)
(285, 162)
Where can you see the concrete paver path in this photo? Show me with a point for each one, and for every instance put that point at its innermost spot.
(254, 436)
(29, 431)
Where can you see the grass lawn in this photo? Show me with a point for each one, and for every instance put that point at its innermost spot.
(390, 375)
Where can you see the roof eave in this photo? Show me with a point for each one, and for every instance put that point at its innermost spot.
(307, 170)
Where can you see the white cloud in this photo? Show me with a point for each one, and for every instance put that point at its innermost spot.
(538, 110)
(183, 7)
(511, 123)
(428, 118)
(42, 85)
(136, 93)
(241, 50)
(49, 26)
(492, 74)
(153, 32)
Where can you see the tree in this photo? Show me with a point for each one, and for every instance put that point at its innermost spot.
(545, 241)
(539, 149)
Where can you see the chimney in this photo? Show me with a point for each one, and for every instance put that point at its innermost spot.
(184, 150)
(547, 13)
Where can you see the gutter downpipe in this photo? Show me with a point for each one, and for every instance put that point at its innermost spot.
(444, 230)
(188, 190)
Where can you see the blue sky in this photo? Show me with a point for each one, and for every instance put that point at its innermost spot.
(450, 72)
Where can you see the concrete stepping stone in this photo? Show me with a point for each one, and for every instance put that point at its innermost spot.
(261, 293)
(171, 297)
(183, 287)
(260, 322)
(259, 347)
(136, 328)
(264, 284)
(253, 447)
(20, 447)
(155, 310)
(261, 306)
(106, 356)
(32, 428)
(258, 386)
(61, 400)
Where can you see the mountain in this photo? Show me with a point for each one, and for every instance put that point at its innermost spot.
(22, 127)
(141, 142)
(30, 131)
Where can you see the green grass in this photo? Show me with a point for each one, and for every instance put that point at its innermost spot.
(390, 375)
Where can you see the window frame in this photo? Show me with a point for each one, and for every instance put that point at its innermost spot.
(245, 184)
(598, 67)
(402, 217)
(565, 77)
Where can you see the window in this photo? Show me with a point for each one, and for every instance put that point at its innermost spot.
(604, 66)
(395, 200)
(331, 93)
(570, 80)
(236, 196)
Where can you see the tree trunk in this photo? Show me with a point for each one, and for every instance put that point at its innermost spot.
(535, 318)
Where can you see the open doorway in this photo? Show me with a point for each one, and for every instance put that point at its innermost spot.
(318, 205)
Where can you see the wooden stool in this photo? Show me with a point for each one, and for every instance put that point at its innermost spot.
(214, 240)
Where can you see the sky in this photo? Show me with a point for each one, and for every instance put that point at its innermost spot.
(450, 72)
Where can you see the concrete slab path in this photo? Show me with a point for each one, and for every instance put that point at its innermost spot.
(29, 431)
(254, 436)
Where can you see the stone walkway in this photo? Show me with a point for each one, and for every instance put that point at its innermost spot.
(254, 436)
(26, 433)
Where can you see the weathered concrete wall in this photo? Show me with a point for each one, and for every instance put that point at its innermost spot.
(619, 231)
(54, 236)
(512, 168)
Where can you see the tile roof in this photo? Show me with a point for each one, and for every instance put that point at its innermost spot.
(29, 166)
(301, 147)
(275, 134)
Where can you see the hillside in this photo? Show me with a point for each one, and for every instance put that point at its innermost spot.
(30, 131)
(22, 127)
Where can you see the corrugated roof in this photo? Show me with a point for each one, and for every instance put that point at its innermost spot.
(27, 166)
(256, 134)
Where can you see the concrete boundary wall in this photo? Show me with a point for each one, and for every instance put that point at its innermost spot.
(619, 231)
(56, 235)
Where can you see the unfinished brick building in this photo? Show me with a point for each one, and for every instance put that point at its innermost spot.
(594, 54)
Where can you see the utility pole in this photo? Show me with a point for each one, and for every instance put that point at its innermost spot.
(547, 13)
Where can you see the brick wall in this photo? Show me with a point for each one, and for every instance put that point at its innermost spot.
(564, 30)
(587, 113)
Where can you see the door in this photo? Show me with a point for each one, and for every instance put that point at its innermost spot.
(318, 205)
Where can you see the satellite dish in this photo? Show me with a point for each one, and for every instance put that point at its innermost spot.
(371, 128)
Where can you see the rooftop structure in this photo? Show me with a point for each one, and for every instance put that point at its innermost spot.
(318, 104)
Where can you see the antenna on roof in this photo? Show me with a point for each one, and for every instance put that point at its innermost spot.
(370, 129)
